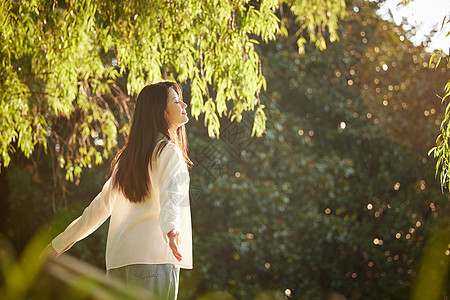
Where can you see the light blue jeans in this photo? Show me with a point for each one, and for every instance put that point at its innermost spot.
(162, 280)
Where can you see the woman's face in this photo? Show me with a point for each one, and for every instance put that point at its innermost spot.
(175, 112)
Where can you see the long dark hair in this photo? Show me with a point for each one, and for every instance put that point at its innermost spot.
(130, 166)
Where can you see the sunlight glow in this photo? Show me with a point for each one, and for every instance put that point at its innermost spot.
(423, 16)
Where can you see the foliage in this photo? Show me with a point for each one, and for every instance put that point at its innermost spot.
(313, 11)
(32, 275)
(441, 151)
(290, 217)
(70, 68)
(338, 195)
(18, 275)
(435, 267)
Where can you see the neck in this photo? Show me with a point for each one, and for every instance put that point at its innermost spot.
(173, 133)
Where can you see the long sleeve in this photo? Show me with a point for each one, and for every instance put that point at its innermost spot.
(172, 173)
(93, 216)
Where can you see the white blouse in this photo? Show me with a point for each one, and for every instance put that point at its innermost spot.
(138, 231)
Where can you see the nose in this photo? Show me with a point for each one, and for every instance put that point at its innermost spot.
(184, 105)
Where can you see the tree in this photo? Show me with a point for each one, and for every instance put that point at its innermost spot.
(70, 68)
(441, 150)
(338, 195)
(335, 197)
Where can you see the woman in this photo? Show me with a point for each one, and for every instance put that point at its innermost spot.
(147, 197)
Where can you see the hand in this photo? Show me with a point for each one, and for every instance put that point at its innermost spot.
(174, 241)
(49, 252)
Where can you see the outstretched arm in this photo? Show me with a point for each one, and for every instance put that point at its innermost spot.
(93, 216)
